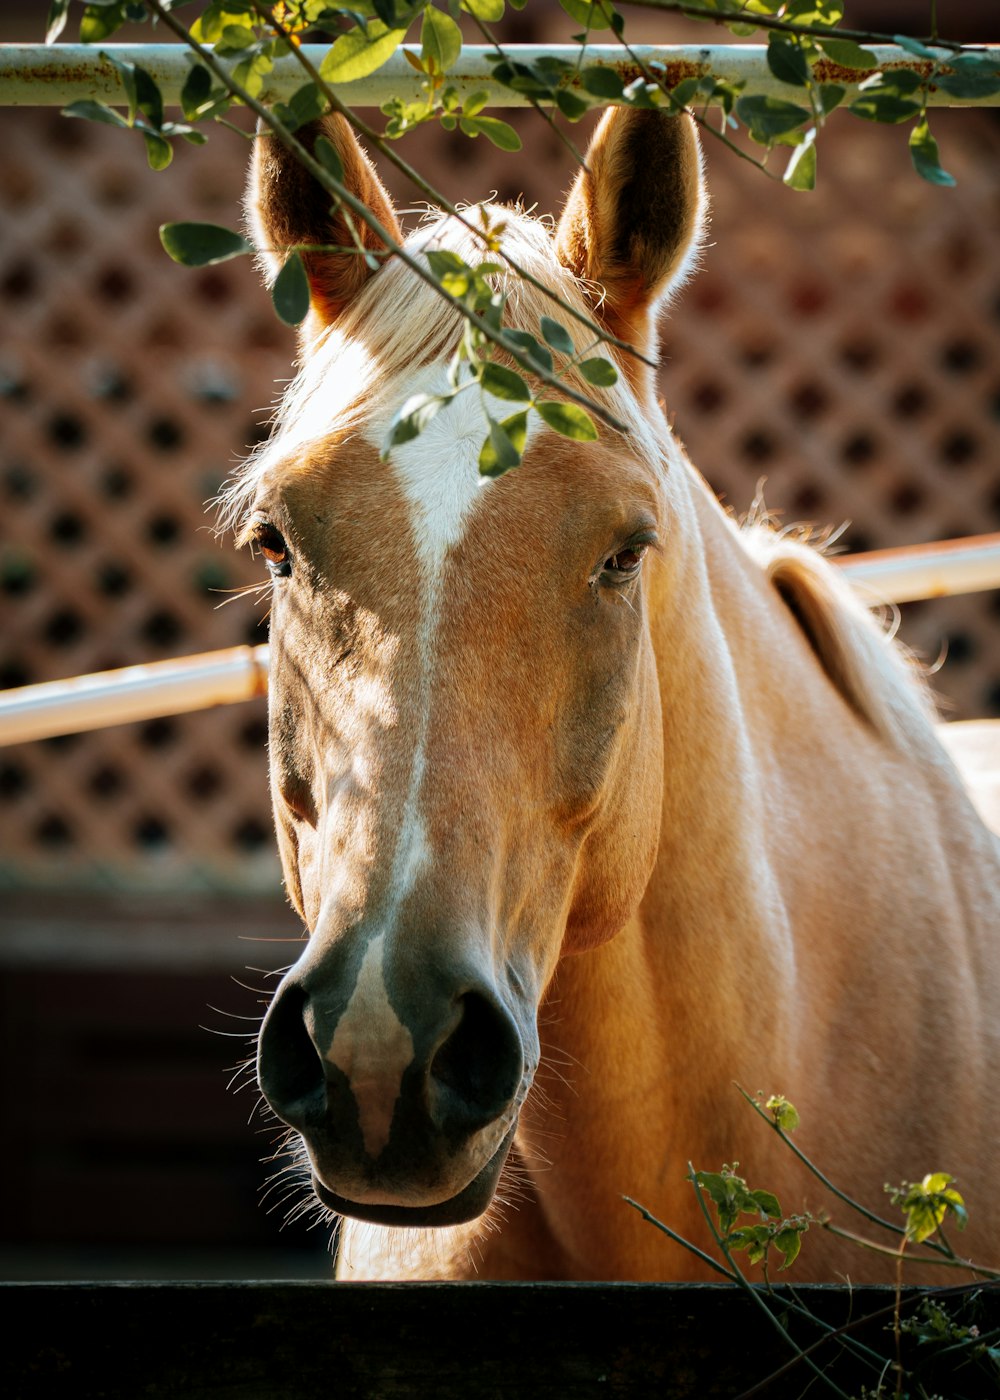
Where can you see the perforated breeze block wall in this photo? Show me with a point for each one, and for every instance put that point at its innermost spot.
(843, 346)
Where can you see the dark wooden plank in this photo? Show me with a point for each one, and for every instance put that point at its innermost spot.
(333, 1341)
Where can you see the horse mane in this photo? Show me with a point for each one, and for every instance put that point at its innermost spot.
(879, 678)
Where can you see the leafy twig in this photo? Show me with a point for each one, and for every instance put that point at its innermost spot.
(439, 200)
(335, 187)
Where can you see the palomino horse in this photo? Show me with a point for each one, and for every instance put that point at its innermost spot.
(592, 803)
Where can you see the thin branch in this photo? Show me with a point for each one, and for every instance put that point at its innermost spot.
(679, 1239)
(942, 1262)
(784, 26)
(835, 1190)
(333, 186)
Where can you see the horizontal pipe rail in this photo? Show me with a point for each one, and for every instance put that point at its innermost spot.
(44, 75)
(240, 673)
(133, 693)
(912, 572)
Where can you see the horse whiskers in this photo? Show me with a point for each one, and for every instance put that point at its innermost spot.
(247, 590)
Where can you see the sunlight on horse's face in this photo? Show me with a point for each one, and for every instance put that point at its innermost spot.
(463, 700)
(466, 745)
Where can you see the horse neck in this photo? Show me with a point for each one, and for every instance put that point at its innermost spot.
(702, 985)
(784, 811)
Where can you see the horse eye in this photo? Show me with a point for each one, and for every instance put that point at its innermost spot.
(624, 565)
(271, 544)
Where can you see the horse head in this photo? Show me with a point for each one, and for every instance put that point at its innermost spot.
(465, 730)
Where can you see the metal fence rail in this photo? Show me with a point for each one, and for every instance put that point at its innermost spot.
(52, 75)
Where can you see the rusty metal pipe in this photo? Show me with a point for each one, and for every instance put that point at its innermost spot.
(52, 75)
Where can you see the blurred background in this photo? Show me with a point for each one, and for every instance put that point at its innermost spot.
(841, 347)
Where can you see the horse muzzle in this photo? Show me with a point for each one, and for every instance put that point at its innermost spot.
(405, 1091)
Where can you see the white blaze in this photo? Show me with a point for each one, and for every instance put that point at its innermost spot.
(373, 1048)
(439, 474)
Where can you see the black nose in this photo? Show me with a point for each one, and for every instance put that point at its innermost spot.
(466, 1068)
(475, 1072)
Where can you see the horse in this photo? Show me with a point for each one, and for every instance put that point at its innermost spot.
(595, 803)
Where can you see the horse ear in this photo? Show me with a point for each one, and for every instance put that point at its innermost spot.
(634, 218)
(285, 206)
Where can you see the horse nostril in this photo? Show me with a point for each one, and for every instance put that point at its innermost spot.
(476, 1072)
(289, 1069)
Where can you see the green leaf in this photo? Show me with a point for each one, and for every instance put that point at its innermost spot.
(55, 21)
(556, 335)
(884, 107)
(571, 106)
(529, 346)
(800, 173)
(899, 81)
(969, 82)
(722, 1190)
(767, 1204)
(925, 157)
(443, 262)
(141, 89)
(199, 245)
(567, 419)
(787, 61)
(475, 103)
(327, 155)
(847, 54)
(413, 417)
(95, 112)
(440, 40)
(815, 11)
(504, 447)
(159, 153)
(235, 38)
(789, 1242)
(599, 371)
(290, 292)
(918, 49)
(829, 96)
(360, 52)
(99, 22)
(501, 135)
(305, 105)
(926, 1204)
(504, 383)
(753, 1238)
(786, 1115)
(597, 15)
(602, 82)
(489, 11)
(685, 91)
(196, 91)
(770, 117)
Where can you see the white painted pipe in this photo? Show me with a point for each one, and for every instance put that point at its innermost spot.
(926, 571)
(133, 693)
(240, 673)
(56, 74)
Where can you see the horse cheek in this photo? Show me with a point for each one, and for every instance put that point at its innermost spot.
(619, 853)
